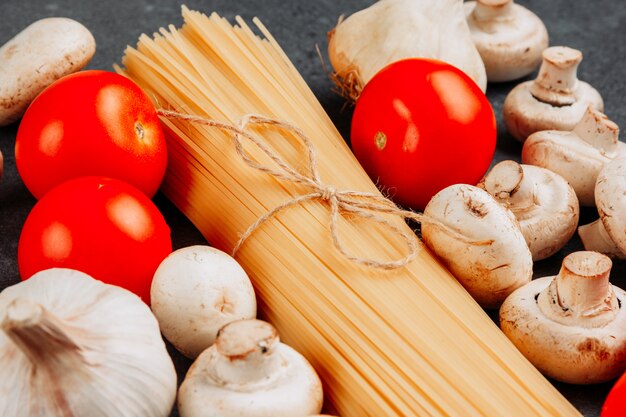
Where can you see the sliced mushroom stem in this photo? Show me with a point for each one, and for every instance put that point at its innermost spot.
(596, 129)
(596, 238)
(581, 292)
(489, 10)
(241, 360)
(557, 79)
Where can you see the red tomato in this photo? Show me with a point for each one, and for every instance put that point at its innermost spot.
(615, 403)
(421, 125)
(101, 226)
(91, 123)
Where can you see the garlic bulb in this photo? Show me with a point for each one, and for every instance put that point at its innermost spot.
(391, 30)
(74, 346)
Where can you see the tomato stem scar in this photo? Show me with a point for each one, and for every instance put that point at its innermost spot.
(381, 140)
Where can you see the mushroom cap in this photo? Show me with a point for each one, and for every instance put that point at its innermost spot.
(195, 291)
(525, 115)
(570, 354)
(569, 156)
(610, 197)
(510, 41)
(481, 243)
(289, 387)
(544, 204)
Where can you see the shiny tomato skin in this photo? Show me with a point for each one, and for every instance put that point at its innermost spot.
(421, 125)
(100, 226)
(615, 403)
(91, 123)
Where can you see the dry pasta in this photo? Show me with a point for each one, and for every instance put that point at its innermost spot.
(404, 342)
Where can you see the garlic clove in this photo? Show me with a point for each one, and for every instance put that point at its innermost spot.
(391, 30)
(248, 372)
(555, 100)
(487, 252)
(509, 38)
(71, 345)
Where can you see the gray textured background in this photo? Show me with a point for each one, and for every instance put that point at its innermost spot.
(597, 28)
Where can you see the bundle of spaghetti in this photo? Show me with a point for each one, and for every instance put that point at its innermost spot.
(402, 342)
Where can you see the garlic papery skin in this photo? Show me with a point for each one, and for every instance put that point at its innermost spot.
(248, 372)
(74, 346)
(509, 38)
(391, 30)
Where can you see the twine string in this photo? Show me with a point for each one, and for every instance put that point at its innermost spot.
(366, 205)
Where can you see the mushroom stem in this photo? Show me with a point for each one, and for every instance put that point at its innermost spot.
(596, 238)
(490, 10)
(596, 129)
(581, 294)
(246, 352)
(506, 183)
(557, 81)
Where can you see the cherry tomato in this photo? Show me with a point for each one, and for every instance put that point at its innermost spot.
(421, 125)
(100, 226)
(91, 123)
(615, 403)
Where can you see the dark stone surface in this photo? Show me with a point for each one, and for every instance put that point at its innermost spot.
(597, 28)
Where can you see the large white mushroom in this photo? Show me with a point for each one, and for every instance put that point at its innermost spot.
(577, 155)
(608, 233)
(479, 241)
(544, 204)
(556, 99)
(248, 372)
(195, 291)
(571, 326)
(509, 37)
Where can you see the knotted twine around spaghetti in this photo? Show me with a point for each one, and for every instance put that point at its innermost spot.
(363, 204)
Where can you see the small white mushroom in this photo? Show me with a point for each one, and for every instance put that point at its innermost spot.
(544, 204)
(195, 291)
(42, 53)
(571, 326)
(509, 38)
(248, 372)
(608, 233)
(479, 241)
(556, 99)
(577, 155)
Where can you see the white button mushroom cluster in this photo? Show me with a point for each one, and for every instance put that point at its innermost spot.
(571, 326)
(509, 38)
(556, 99)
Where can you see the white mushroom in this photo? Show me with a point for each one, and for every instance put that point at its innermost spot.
(248, 372)
(608, 233)
(509, 38)
(577, 155)
(544, 204)
(479, 241)
(571, 326)
(195, 291)
(556, 99)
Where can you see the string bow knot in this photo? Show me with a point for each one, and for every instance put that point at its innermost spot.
(366, 205)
